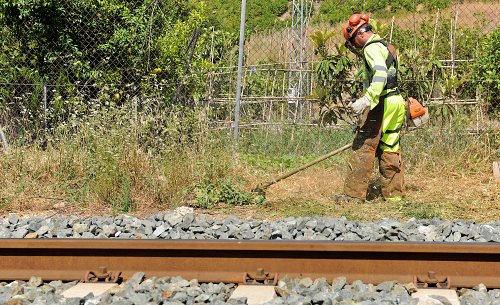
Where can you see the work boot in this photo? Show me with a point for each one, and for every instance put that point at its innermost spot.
(340, 198)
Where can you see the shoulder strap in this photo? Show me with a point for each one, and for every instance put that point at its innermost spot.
(391, 58)
(382, 41)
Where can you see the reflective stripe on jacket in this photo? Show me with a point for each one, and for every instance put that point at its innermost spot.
(375, 55)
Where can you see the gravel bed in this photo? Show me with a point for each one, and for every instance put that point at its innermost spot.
(178, 291)
(186, 225)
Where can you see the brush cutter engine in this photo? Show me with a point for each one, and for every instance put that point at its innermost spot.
(416, 114)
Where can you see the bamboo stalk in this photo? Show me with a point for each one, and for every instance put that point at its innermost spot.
(454, 42)
(272, 94)
(452, 53)
(4, 139)
(283, 94)
(435, 31)
(414, 33)
(392, 28)
(432, 54)
(265, 92)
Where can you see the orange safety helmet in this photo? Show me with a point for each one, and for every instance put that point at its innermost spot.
(355, 22)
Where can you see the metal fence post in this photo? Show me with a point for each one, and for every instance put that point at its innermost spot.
(240, 72)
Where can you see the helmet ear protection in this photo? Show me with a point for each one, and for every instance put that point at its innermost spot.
(355, 22)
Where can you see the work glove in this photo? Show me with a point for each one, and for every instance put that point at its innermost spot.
(359, 106)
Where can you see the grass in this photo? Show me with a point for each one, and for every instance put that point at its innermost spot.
(419, 210)
(448, 174)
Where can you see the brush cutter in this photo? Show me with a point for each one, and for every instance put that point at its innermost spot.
(261, 188)
(417, 116)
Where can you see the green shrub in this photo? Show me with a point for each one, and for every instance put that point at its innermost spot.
(334, 11)
(486, 72)
(208, 194)
(91, 54)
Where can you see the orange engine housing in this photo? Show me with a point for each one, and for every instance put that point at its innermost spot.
(416, 109)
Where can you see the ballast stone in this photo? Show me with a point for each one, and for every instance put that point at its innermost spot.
(13, 219)
(80, 228)
(191, 226)
(166, 290)
(490, 233)
(18, 233)
(5, 233)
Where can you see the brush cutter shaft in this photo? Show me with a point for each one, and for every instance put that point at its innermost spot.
(303, 167)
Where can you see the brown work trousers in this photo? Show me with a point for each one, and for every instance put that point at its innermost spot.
(365, 148)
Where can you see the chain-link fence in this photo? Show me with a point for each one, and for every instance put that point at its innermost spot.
(67, 61)
(443, 47)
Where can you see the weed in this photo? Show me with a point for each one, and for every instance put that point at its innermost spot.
(208, 194)
(231, 195)
(126, 195)
(351, 216)
(449, 150)
(290, 147)
(418, 210)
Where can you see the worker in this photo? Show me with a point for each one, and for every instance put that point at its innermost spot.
(383, 110)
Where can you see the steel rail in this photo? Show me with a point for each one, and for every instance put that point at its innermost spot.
(464, 264)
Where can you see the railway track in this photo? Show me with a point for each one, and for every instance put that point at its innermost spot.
(427, 264)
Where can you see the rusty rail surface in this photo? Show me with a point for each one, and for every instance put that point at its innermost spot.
(451, 264)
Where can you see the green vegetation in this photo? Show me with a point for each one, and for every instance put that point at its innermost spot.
(290, 148)
(333, 72)
(419, 210)
(128, 126)
(334, 11)
(261, 14)
(107, 167)
(487, 72)
(211, 190)
(421, 79)
(137, 52)
(93, 54)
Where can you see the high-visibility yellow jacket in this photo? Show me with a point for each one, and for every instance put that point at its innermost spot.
(375, 70)
(376, 74)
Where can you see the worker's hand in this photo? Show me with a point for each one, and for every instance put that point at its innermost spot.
(359, 105)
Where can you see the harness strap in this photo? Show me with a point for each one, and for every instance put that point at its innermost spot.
(387, 95)
(392, 81)
(393, 130)
(390, 58)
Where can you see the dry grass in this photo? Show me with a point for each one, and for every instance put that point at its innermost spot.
(305, 194)
(436, 195)
(450, 178)
(36, 181)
